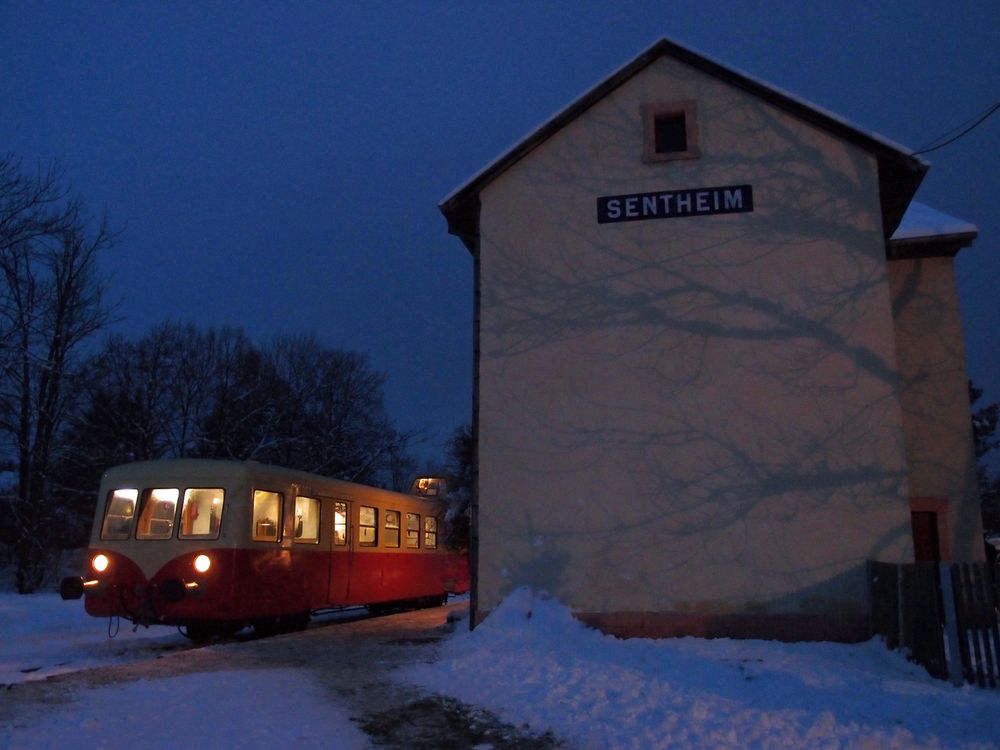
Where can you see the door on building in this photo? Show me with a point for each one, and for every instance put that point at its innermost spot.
(926, 542)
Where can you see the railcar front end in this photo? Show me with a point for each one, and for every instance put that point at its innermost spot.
(213, 546)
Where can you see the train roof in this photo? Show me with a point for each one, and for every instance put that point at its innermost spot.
(207, 470)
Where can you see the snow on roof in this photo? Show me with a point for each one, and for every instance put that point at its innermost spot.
(921, 221)
(691, 56)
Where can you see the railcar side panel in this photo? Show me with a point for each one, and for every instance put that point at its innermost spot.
(271, 542)
(341, 572)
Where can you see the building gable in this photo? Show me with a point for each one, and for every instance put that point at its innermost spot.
(687, 395)
(899, 172)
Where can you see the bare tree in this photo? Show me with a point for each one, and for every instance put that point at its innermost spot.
(460, 469)
(180, 391)
(985, 419)
(30, 206)
(51, 301)
(245, 398)
(331, 416)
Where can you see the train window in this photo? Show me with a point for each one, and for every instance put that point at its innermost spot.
(368, 526)
(201, 513)
(340, 524)
(119, 514)
(156, 516)
(413, 530)
(266, 516)
(306, 520)
(392, 528)
(430, 532)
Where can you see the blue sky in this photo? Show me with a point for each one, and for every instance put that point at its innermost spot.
(278, 166)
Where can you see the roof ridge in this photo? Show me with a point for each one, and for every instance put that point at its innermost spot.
(900, 172)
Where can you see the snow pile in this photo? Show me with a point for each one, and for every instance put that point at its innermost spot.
(251, 709)
(531, 662)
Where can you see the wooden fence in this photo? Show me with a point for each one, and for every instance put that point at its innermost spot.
(945, 616)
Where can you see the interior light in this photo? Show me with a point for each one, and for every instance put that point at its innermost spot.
(202, 563)
(100, 563)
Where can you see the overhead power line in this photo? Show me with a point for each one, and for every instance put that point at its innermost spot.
(978, 120)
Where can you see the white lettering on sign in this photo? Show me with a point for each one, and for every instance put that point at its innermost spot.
(669, 204)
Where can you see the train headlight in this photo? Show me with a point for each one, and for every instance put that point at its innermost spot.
(202, 563)
(100, 563)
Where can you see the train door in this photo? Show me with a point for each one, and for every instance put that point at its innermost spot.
(271, 564)
(341, 553)
(309, 561)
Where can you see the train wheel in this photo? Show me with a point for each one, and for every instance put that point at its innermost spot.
(199, 633)
(229, 629)
(266, 626)
(432, 601)
(296, 622)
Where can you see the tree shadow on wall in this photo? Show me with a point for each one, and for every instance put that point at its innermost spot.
(731, 379)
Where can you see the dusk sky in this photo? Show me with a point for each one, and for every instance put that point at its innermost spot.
(277, 166)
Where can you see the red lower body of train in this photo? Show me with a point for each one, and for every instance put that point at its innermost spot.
(268, 589)
(214, 546)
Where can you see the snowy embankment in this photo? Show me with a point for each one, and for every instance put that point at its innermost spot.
(531, 662)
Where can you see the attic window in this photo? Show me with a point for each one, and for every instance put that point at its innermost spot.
(670, 131)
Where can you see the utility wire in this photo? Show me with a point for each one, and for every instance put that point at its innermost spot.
(955, 129)
(979, 121)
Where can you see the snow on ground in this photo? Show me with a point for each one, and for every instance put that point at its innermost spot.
(42, 635)
(246, 709)
(531, 662)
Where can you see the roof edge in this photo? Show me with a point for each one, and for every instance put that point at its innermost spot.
(930, 246)
(900, 171)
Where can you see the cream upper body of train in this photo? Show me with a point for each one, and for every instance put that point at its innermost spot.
(214, 546)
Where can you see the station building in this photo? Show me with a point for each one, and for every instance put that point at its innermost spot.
(718, 361)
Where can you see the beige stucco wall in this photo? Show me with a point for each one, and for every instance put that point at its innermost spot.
(935, 399)
(694, 414)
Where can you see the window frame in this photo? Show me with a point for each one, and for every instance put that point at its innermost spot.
(430, 532)
(413, 542)
(363, 526)
(392, 533)
(337, 504)
(278, 522)
(318, 507)
(218, 524)
(145, 496)
(688, 109)
(106, 535)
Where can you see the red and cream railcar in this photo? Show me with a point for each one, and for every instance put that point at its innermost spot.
(214, 546)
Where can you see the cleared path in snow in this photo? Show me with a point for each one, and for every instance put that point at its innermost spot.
(350, 662)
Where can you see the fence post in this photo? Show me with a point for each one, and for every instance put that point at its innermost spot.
(950, 624)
